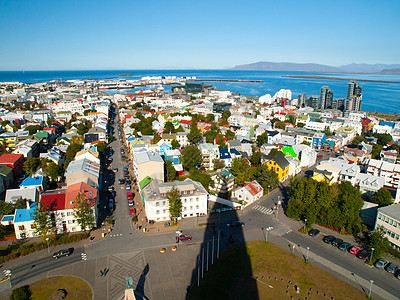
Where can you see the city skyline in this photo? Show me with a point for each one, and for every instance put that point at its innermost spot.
(98, 35)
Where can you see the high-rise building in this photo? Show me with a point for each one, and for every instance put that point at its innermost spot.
(326, 98)
(302, 100)
(339, 104)
(312, 102)
(354, 96)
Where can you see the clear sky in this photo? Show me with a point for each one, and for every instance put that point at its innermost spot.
(159, 34)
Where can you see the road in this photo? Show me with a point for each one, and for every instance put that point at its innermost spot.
(284, 232)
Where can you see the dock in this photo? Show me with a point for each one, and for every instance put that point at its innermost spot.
(226, 80)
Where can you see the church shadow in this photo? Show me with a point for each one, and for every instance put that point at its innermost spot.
(222, 269)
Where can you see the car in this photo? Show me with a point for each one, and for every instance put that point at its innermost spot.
(397, 274)
(354, 250)
(127, 181)
(121, 181)
(363, 254)
(128, 187)
(313, 232)
(184, 237)
(319, 156)
(344, 246)
(132, 211)
(129, 195)
(115, 170)
(391, 268)
(126, 176)
(328, 239)
(111, 189)
(381, 264)
(130, 203)
(125, 169)
(236, 224)
(126, 172)
(123, 156)
(111, 203)
(110, 176)
(336, 242)
(122, 151)
(62, 253)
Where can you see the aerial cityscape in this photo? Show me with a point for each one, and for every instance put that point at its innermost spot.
(205, 151)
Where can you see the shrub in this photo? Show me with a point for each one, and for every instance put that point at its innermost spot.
(21, 293)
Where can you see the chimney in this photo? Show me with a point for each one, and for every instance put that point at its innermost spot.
(27, 205)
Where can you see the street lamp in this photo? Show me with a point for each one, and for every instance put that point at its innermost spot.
(305, 223)
(370, 288)
(48, 248)
(372, 253)
(308, 248)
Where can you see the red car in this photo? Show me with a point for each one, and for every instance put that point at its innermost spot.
(129, 195)
(183, 237)
(132, 211)
(354, 250)
(363, 254)
(320, 156)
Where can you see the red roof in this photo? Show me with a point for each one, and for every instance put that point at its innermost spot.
(187, 122)
(9, 158)
(253, 187)
(80, 187)
(49, 129)
(53, 202)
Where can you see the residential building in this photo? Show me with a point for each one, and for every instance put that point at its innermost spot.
(192, 194)
(209, 152)
(277, 163)
(15, 161)
(250, 192)
(389, 171)
(326, 98)
(224, 181)
(39, 182)
(389, 220)
(354, 97)
(6, 173)
(28, 148)
(182, 139)
(83, 170)
(30, 194)
(24, 226)
(147, 163)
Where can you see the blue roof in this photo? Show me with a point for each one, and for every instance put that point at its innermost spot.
(28, 181)
(234, 151)
(23, 215)
(224, 153)
(8, 218)
(383, 123)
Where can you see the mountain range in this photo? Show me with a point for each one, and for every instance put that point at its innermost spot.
(318, 68)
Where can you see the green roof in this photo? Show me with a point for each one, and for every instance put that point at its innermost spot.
(289, 151)
(42, 134)
(5, 170)
(145, 181)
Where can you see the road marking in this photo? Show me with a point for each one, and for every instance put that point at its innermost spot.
(263, 209)
(83, 255)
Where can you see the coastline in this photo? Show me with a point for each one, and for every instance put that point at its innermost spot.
(337, 78)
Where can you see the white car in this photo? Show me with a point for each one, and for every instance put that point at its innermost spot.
(128, 187)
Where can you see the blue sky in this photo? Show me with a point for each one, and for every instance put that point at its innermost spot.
(65, 35)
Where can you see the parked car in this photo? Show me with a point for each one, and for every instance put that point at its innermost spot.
(381, 264)
(132, 211)
(111, 189)
(236, 224)
(313, 232)
(319, 156)
(130, 203)
(354, 250)
(111, 203)
(62, 253)
(126, 172)
(328, 239)
(344, 246)
(128, 186)
(336, 242)
(115, 170)
(123, 156)
(363, 254)
(184, 237)
(125, 169)
(129, 195)
(391, 268)
(121, 181)
(127, 181)
(397, 274)
(110, 176)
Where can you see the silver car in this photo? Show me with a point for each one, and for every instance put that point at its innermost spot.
(391, 268)
(381, 264)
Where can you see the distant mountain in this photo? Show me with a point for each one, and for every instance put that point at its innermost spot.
(367, 68)
(286, 66)
(391, 71)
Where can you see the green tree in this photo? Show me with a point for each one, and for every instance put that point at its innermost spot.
(6, 208)
(42, 222)
(175, 204)
(210, 136)
(229, 135)
(382, 197)
(33, 129)
(267, 178)
(218, 163)
(358, 139)
(262, 139)
(275, 152)
(72, 149)
(169, 127)
(50, 121)
(31, 165)
(20, 204)
(202, 177)
(280, 125)
(291, 119)
(327, 131)
(87, 111)
(226, 114)
(377, 240)
(170, 171)
(241, 169)
(4, 123)
(376, 150)
(21, 293)
(194, 135)
(175, 144)
(210, 118)
(83, 212)
(191, 157)
(306, 143)
(383, 138)
(53, 170)
(101, 147)
(255, 158)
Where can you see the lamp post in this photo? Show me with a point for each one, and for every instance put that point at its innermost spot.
(48, 248)
(305, 223)
(372, 253)
(293, 249)
(370, 288)
(308, 248)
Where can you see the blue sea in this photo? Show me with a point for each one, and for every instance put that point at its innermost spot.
(377, 96)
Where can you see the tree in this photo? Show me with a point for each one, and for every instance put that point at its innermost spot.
(84, 127)
(72, 149)
(262, 139)
(194, 135)
(280, 125)
(20, 204)
(202, 177)
(83, 211)
(275, 152)
(358, 139)
(31, 165)
(87, 111)
(255, 158)
(175, 204)
(210, 136)
(383, 138)
(229, 135)
(226, 114)
(306, 143)
(6, 208)
(291, 119)
(191, 157)
(218, 163)
(377, 240)
(101, 147)
(210, 118)
(175, 144)
(50, 121)
(21, 293)
(170, 171)
(53, 170)
(327, 131)
(169, 127)
(33, 129)
(241, 169)
(41, 220)
(382, 197)
(4, 123)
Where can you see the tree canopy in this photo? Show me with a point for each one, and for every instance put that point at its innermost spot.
(191, 157)
(41, 220)
(336, 206)
(262, 139)
(83, 212)
(170, 170)
(202, 177)
(382, 197)
(175, 144)
(194, 135)
(31, 165)
(174, 203)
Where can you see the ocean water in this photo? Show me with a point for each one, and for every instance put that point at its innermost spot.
(377, 96)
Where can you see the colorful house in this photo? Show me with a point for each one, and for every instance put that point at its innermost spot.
(277, 163)
(15, 161)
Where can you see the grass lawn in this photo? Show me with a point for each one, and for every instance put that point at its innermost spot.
(76, 288)
(266, 271)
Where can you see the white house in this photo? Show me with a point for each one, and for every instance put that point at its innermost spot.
(250, 192)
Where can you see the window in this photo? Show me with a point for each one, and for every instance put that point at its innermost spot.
(390, 221)
(157, 203)
(33, 226)
(184, 200)
(163, 203)
(157, 212)
(21, 227)
(197, 207)
(191, 208)
(197, 199)
(164, 211)
(69, 214)
(191, 199)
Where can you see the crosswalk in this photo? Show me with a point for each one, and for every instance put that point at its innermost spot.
(263, 209)
(117, 234)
